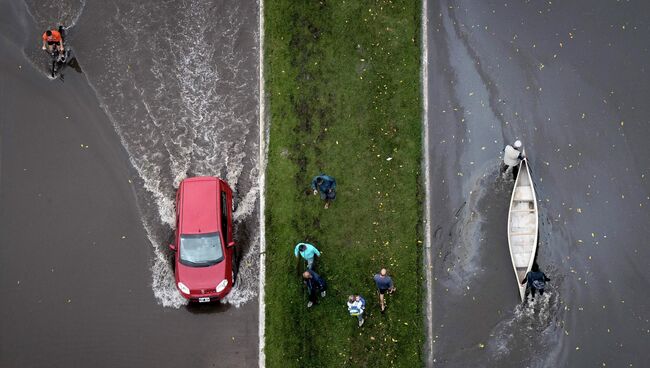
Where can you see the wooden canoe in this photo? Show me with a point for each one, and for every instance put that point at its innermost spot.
(523, 225)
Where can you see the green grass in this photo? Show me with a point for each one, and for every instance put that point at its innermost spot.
(344, 96)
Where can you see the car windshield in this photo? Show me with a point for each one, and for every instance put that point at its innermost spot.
(201, 250)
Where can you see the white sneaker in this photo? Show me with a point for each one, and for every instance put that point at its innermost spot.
(322, 294)
(361, 322)
(309, 304)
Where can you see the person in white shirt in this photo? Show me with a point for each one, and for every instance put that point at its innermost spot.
(356, 307)
(511, 158)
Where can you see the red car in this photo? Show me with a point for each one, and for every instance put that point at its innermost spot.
(203, 246)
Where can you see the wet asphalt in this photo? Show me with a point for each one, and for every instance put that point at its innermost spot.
(570, 79)
(75, 278)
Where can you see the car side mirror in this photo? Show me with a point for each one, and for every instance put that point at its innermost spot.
(172, 247)
(231, 244)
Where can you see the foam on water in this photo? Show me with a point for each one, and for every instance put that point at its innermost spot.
(163, 283)
(248, 204)
(52, 13)
(245, 287)
(530, 328)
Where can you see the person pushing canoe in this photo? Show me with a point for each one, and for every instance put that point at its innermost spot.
(511, 158)
(536, 281)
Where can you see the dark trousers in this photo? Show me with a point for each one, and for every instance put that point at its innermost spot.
(532, 292)
(317, 288)
(313, 295)
(515, 170)
(329, 195)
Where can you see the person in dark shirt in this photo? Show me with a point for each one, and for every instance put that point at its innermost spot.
(314, 284)
(326, 186)
(536, 281)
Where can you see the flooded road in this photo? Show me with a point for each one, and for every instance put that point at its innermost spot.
(571, 81)
(88, 171)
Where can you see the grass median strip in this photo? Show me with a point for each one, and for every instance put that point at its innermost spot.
(342, 81)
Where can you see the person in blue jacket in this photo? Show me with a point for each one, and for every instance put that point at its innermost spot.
(308, 253)
(356, 307)
(314, 284)
(326, 186)
(536, 281)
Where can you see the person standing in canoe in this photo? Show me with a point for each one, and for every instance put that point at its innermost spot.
(536, 281)
(308, 252)
(326, 186)
(511, 158)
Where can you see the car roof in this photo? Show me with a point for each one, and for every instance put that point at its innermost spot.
(199, 205)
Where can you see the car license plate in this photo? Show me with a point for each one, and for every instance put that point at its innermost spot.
(204, 300)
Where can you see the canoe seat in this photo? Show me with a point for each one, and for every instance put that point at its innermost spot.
(523, 193)
(526, 241)
(522, 259)
(521, 250)
(523, 233)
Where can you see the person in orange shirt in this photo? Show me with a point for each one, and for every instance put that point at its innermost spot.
(52, 38)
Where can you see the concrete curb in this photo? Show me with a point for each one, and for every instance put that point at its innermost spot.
(428, 266)
(262, 182)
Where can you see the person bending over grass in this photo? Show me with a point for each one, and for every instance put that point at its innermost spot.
(356, 306)
(384, 285)
(308, 253)
(314, 284)
(326, 186)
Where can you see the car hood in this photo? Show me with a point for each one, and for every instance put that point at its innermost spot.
(196, 278)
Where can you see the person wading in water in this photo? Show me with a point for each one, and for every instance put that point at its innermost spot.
(511, 158)
(536, 281)
(53, 38)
